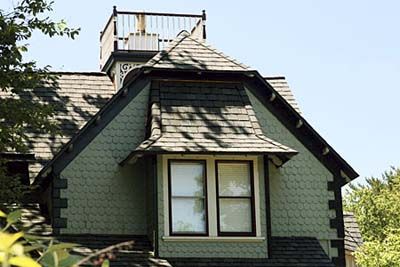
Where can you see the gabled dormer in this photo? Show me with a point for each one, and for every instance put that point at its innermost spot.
(130, 39)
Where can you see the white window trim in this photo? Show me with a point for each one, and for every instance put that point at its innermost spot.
(211, 196)
(247, 239)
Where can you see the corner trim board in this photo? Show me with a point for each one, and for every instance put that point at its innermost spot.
(337, 222)
(58, 203)
(91, 129)
(267, 204)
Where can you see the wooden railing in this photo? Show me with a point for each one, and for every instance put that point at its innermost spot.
(146, 31)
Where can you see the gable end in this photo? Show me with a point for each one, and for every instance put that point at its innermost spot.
(91, 129)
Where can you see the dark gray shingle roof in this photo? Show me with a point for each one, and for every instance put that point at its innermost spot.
(78, 96)
(205, 117)
(285, 252)
(352, 234)
(186, 52)
(280, 84)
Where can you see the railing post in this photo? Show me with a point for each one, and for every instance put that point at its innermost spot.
(203, 19)
(101, 51)
(115, 14)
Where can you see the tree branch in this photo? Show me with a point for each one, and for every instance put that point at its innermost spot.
(104, 250)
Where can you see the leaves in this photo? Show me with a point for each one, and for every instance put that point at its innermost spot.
(14, 216)
(380, 253)
(7, 240)
(61, 246)
(2, 214)
(23, 261)
(15, 249)
(106, 263)
(18, 113)
(71, 260)
(376, 206)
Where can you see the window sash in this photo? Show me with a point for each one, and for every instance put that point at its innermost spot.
(187, 197)
(252, 232)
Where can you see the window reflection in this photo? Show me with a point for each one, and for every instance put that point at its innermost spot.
(235, 197)
(187, 197)
(234, 179)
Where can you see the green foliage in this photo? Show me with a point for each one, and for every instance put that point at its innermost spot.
(11, 188)
(23, 250)
(19, 114)
(16, 248)
(380, 253)
(17, 77)
(376, 206)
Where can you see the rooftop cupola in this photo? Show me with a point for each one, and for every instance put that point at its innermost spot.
(132, 38)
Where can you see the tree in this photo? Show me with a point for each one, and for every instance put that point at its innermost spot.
(24, 250)
(19, 115)
(376, 206)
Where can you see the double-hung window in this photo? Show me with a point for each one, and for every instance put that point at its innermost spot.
(235, 198)
(232, 198)
(188, 197)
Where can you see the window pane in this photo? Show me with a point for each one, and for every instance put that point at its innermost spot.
(235, 215)
(234, 179)
(187, 179)
(188, 215)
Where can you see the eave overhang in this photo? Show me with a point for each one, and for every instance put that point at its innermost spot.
(295, 123)
(15, 156)
(271, 99)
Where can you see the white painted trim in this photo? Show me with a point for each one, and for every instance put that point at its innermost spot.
(257, 197)
(211, 198)
(213, 238)
(211, 193)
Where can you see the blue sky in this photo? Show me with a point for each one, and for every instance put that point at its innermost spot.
(341, 58)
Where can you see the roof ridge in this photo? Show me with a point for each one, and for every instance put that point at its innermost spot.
(277, 77)
(159, 57)
(153, 61)
(211, 48)
(95, 73)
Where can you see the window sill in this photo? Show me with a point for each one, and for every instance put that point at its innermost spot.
(213, 239)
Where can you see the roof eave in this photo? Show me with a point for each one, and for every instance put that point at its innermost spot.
(347, 169)
(16, 156)
(284, 156)
(45, 171)
(252, 75)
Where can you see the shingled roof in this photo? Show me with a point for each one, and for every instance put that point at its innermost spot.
(352, 234)
(280, 84)
(285, 252)
(187, 53)
(76, 98)
(206, 117)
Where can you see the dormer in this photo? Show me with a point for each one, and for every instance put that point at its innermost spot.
(132, 38)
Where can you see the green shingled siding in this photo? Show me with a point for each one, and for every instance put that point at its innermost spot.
(104, 198)
(211, 249)
(299, 195)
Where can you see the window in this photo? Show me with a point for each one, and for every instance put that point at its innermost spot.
(235, 198)
(188, 197)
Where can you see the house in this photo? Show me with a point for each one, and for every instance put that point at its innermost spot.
(197, 157)
(353, 239)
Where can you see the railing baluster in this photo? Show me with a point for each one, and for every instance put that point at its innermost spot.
(145, 31)
(163, 31)
(173, 26)
(123, 26)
